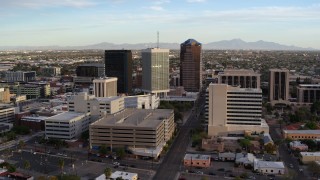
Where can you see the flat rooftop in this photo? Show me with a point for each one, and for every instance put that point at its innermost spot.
(268, 164)
(245, 72)
(302, 131)
(135, 117)
(310, 153)
(65, 116)
(108, 99)
(197, 157)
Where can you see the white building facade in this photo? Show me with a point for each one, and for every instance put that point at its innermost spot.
(67, 125)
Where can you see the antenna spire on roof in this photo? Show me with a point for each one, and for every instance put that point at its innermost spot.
(157, 39)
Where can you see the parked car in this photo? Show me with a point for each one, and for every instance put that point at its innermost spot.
(221, 169)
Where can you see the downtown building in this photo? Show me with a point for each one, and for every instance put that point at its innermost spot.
(191, 65)
(143, 131)
(118, 63)
(234, 110)
(279, 86)
(105, 87)
(239, 77)
(155, 71)
(87, 72)
(308, 93)
(20, 76)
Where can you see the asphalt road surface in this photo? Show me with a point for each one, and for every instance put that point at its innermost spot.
(286, 157)
(172, 162)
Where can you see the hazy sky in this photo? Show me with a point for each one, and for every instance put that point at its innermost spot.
(84, 22)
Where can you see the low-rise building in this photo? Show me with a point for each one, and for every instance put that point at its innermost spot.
(221, 144)
(5, 127)
(67, 125)
(245, 159)
(197, 160)
(97, 106)
(124, 175)
(267, 139)
(7, 114)
(301, 134)
(268, 167)
(134, 128)
(149, 101)
(5, 95)
(34, 122)
(298, 146)
(307, 157)
(227, 156)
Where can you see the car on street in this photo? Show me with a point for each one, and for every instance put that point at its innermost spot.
(291, 165)
(212, 174)
(116, 163)
(199, 172)
(221, 169)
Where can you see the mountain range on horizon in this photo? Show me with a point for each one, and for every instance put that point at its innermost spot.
(234, 44)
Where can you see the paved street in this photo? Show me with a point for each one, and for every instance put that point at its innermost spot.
(286, 157)
(172, 163)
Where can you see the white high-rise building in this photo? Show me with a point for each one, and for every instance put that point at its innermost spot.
(234, 110)
(155, 71)
(105, 87)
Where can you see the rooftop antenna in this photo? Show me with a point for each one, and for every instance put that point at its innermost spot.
(158, 39)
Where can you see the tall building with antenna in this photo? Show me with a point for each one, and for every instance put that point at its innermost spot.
(191, 65)
(155, 71)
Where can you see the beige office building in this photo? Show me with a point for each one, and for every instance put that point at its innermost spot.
(105, 87)
(244, 78)
(308, 93)
(134, 128)
(234, 110)
(5, 95)
(7, 113)
(97, 106)
(279, 86)
(67, 125)
(155, 71)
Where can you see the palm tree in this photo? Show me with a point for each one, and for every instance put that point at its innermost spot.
(26, 165)
(61, 164)
(107, 172)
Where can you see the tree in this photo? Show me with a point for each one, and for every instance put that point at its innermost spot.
(103, 149)
(314, 168)
(244, 143)
(11, 136)
(315, 107)
(21, 144)
(311, 125)
(26, 165)
(119, 178)
(107, 172)
(61, 164)
(121, 153)
(270, 148)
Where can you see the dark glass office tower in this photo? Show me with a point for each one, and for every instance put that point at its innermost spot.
(190, 65)
(118, 63)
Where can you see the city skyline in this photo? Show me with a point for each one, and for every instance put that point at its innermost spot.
(84, 22)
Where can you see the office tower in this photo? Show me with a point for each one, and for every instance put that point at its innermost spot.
(105, 87)
(155, 71)
(308, 93)
(20, 76)
(234, 110)
(239, 77)
(278, 86)
(191, 65)
(87, 72)
(118, 63)
(91, 70)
